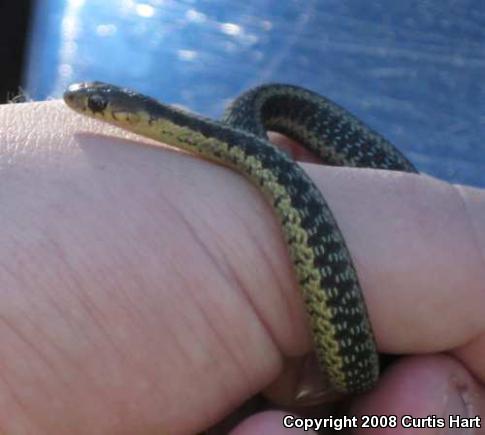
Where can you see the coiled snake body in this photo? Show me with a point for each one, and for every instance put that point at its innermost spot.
(344, 342)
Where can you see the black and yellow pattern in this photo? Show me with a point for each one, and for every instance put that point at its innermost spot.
(343, 337)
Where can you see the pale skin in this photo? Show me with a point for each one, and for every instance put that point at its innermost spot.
(146, 291)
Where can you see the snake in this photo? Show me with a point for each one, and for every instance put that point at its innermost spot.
(344, 342)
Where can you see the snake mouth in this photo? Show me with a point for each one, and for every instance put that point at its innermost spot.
(72, 97)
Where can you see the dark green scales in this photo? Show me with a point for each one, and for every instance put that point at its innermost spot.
(343, 337)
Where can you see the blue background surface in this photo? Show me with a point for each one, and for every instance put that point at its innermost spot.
(414, 70)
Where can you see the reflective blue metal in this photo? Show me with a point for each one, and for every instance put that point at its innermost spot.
(413, 70)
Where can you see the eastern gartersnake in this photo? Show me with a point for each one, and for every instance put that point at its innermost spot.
(342, 333)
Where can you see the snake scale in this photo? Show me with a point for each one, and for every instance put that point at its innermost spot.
(344, 342)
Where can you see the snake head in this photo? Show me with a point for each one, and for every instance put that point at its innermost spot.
(88, 96)
(105, 101)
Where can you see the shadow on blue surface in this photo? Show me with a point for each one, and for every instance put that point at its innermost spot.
(414, 71)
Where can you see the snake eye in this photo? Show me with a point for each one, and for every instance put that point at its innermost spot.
(96, 103)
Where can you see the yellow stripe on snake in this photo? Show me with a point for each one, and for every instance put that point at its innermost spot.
(343, 337)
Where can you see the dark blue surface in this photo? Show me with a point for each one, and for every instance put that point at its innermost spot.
(412, 70)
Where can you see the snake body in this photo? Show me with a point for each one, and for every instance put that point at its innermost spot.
(344, 343)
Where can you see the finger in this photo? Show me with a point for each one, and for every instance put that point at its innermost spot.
(427, 390)
(418, 256)
(419, 245)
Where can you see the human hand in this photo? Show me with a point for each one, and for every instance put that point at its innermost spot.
(146, 290)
